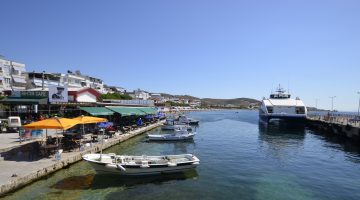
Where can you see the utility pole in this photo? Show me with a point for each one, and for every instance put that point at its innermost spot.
(42, 78)
(316, 103)
(332, 102)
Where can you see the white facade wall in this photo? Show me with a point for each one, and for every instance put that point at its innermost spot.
(86, 97)
(12, 75)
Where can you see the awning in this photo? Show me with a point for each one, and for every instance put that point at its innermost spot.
(148, 110)
(19, 80)
(97, 111)
(126, 111)
(21, 101)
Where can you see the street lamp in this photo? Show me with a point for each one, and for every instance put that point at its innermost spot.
(316, 103)
(332, 102)
(359, 104)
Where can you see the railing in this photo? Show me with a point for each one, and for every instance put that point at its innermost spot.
(337, 118)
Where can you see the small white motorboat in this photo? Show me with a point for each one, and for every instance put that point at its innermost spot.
(179, 134)
(186, 120)
(141, 165)
(170, 124)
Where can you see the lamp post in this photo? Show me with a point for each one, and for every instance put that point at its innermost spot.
(316, 103)
(332, 102)
(359, 104)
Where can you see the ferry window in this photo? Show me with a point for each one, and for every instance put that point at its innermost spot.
(300, 110)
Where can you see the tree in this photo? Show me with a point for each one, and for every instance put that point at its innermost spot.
(117, 96)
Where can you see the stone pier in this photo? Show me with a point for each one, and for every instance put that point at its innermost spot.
(336, 125)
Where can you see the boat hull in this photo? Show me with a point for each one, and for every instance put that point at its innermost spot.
(103, 169)
(170, 137)
(172, 127)
(288, 117)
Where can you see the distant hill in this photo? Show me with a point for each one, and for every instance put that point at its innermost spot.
(179, 96)
(238, 102)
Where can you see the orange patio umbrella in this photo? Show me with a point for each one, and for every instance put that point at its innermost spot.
(53, 123)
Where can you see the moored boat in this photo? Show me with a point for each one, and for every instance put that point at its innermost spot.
(179, 134)
(186, 120)
(141, 165)
(170, 124)
(281, 106)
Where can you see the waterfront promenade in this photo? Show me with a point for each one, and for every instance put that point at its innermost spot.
(15, 174)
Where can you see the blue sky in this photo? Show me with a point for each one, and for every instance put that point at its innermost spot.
(219, 49)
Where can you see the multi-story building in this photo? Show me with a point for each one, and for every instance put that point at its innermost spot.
(114, 89)
(12, 75)
(139, 94)
(72, 80)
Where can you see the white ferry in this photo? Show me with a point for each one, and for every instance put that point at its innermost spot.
(281, 106)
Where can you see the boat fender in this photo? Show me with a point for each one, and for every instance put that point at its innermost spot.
(121, 167)
(171, 164)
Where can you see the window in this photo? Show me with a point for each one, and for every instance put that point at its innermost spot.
(269, 109)
(300, 110)
(7, 80)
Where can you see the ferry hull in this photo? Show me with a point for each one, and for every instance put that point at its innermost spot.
(288, 117)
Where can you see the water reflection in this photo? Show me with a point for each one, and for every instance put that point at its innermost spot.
(99, 181)
(281, 140)
(282, 128)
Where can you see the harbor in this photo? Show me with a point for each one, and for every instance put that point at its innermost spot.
(247, 159)
(243, 100)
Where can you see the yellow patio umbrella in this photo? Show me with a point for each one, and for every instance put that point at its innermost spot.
(89, 120)
(53, 123)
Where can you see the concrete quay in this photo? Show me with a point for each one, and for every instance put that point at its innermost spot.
(17, 174)
(337, 125)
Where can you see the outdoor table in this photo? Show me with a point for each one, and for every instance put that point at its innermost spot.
(111, 133)
(77, 142)
(94, 138)
(47, 150)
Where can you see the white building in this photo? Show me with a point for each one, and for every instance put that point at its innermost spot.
(72, 80)
(140, 94)
(114, 89)
(12, 75)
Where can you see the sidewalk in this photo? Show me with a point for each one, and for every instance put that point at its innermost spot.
(10, 141)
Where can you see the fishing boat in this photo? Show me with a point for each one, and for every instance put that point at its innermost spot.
(186, 120)
(179, 134)
(141, 165)
(171, 124)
